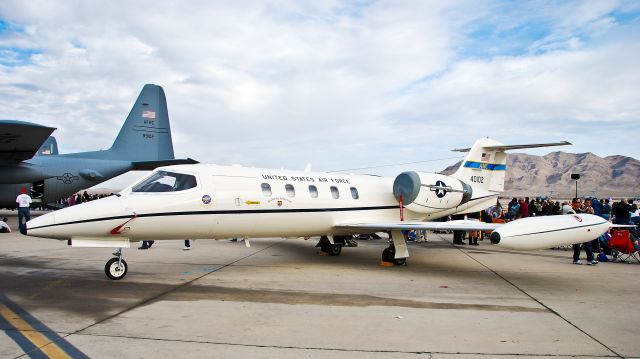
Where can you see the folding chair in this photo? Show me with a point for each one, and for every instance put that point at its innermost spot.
(622, 249)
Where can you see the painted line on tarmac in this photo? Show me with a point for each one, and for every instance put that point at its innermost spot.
(31, 335)
(344, 351)
(539, 302)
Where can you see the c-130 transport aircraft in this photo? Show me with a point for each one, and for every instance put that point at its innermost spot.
(219, 202)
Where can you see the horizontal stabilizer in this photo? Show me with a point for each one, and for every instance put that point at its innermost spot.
(150, 165)
(501, 148)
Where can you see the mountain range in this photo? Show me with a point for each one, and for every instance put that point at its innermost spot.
(550, 175)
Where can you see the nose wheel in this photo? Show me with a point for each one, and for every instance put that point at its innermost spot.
(116, 268)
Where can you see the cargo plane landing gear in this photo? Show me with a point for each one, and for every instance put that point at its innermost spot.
(116, 268)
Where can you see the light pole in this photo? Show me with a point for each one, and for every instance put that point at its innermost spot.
(576, 176)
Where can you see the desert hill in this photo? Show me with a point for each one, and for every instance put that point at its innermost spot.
(529, 175)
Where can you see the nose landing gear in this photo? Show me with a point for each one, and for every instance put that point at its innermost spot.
(116, 268)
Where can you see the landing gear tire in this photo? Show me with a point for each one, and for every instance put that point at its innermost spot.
(400, 261)
(332, 249)
(115, 270)
(388, 255)
(335, 249)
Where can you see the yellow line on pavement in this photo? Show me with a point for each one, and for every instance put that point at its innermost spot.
(38, 339)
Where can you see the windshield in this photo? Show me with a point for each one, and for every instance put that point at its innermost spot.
(163, 181)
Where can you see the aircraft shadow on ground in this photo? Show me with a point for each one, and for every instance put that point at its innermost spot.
(58, 284)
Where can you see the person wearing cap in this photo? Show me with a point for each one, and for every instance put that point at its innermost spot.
(24, 201)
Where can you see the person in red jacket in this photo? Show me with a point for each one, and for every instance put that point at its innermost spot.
(524, 209)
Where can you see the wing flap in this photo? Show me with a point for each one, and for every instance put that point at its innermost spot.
(460, 225)
(20, 140)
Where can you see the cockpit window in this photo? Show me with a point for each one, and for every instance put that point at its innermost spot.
(163, 181)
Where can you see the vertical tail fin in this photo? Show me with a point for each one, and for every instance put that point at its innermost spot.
(49, 147)
(145, 135)
(484, 166)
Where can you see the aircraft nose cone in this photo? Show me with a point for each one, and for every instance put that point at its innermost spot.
(39, 226)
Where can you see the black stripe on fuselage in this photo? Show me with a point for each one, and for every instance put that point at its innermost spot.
(558, 230)
(237, 211)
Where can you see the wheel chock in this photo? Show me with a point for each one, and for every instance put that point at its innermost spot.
(323, 254)
(387, 264)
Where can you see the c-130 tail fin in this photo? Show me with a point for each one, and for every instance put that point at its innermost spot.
(146, 134)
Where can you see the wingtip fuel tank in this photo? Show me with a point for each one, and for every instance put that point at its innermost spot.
(549, 231)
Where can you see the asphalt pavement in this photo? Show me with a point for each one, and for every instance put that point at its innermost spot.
(282, 298)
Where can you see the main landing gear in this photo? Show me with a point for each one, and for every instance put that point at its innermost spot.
(389, 253)
(332, 249)
(116, 268)
(333, 245)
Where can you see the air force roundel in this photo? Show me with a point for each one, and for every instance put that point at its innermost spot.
(440, 192)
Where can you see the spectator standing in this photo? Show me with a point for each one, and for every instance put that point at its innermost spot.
(587, 207)
(606, 210)
(579, 208)
(514, 208)
(566, 209)
(24, 212)
(621, 212)
(597, 207)
(524, 208)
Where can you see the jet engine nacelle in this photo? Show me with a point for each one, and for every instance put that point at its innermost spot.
(549, 231)
(430, 192)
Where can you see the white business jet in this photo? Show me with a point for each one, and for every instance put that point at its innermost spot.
(209, 201)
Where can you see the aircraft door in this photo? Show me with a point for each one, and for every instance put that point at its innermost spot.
(236, 200)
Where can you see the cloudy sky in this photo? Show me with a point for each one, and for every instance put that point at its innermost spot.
(338, 84)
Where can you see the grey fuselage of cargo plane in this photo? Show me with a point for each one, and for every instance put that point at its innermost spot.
(29, 157)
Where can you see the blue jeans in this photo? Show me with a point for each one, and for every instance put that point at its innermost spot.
(23, 212)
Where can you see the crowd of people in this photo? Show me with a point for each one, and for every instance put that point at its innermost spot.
(622, 212)
(80, 198)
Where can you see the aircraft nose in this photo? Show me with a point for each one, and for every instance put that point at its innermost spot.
(89, 219)
(38, 227)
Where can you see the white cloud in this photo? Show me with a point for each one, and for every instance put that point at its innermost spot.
(336, 84)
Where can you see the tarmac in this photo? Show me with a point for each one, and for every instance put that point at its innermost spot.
(280, 298)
